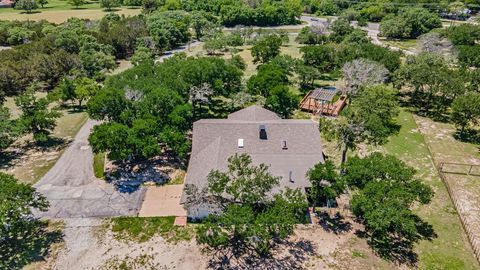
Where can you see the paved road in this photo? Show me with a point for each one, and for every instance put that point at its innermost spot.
(74, 192)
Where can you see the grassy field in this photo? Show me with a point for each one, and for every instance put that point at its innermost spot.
(407, 44)
(451, 249)
(58, 11)
(143, 229)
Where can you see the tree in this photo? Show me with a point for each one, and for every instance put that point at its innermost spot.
(466, 111)
(319, 56)
(132, 3)
(435, 85)
(469, 55)
(216, 41)
(27, 5)
(85, 88)
(65, 90)
(8, 130)
(370, 118)
(316, 34)
(110, 4)
(20, 231)
(267, 77)
(201, 23)
(307, 75)
(435, 43)
(248, 217)
(36, 117)
(326, 183)
(387, 190)
(266, 48)
(169, 29)
(282, 101)
(96, 61)
(200, 95)
(363, 72)
(463, 34)
(19, 35)
(142, 55)
(409, 23)
(339, 29)
(42, 2)
(76, 3)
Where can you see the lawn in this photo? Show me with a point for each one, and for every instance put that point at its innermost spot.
(451, 249)
(58, 11)
(407, 44)
(141, 229)
(99, 165)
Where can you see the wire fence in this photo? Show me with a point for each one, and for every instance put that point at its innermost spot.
(460, 168)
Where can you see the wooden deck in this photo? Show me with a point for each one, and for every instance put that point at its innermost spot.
(319, 107)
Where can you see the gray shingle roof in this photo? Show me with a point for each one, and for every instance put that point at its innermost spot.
(215, 140)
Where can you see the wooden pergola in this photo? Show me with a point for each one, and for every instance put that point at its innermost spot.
(320, 102)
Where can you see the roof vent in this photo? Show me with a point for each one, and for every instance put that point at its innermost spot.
(263, 132)
(284, 145)
(240, 143)
(290, 178)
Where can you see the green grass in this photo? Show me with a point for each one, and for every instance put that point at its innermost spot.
(143, 229)
(99, 165)
(57, 5)
(179, 178)
(450, 249)
(407, 44)
(358, 254)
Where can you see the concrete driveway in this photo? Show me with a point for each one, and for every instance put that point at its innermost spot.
(163, 201)
(74, 192)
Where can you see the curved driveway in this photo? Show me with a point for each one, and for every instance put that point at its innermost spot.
(74, 192)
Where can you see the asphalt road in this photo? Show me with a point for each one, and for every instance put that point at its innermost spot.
(74, 192)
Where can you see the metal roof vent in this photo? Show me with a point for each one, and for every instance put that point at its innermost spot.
(263, 132)
(240, 143)
(290, 178)
(284, 145)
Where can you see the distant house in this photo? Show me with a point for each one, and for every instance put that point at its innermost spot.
(6, 3)
(290, 147)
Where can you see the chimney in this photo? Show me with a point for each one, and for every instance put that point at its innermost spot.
(263, 132)
(240, 143)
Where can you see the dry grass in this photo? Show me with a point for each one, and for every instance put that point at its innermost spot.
(60, 16)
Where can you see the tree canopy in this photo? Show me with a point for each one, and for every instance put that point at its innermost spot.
(249, 220)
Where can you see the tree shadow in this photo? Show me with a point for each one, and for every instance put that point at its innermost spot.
(11, 156)
(286, 254)
(396, 248)
(129, 176)
(335, 224)
(468, 136)
(17, 253)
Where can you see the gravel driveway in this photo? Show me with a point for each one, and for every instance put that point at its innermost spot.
(74, 192)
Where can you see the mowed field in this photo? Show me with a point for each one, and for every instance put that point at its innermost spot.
(58, 11)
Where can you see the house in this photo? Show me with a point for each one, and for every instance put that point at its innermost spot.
(6, 3)
(290, 147)
(324, 101)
